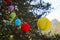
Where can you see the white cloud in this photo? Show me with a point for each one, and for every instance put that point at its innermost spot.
(56, 12)
(35, 2)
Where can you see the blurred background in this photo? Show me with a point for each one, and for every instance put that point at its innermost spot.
(30, 11)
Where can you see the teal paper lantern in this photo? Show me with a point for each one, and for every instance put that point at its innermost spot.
(7, 23)
(17, 22)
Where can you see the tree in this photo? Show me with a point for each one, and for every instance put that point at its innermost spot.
(26, 12)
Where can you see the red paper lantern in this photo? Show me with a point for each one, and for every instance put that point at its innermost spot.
(8, 1)
(25, 27)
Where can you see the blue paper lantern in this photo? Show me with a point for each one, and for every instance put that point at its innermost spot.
(7, 23)
(17, 22)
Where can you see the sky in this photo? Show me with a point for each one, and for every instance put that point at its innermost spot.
(55, 14)
(56, 11)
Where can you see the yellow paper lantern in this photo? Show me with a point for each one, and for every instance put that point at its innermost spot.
(43, 23)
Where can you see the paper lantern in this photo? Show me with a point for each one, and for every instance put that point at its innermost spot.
(0, 1)
(17, 22)
(8, 1)
(43, 23)
(12, 16)
(0, 17)
(11, 7)
(7, 23)
(25, 27)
